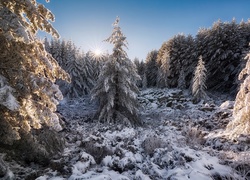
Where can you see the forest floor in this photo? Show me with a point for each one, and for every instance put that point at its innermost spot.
(178, 140)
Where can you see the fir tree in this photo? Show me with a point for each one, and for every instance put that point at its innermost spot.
(140, 66)
(88, 74)
(222, 47)
(178, 56)
(199, 79)
(241, 112)
(28, 95)
(95, 63)
(162, 73)
(76, 64)
(116, 88)
(181, 80)
(151, 68)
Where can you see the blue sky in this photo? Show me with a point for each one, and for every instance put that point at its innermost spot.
(145, 23)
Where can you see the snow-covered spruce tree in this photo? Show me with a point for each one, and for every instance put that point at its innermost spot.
(222, 47)
(140, 66)
(151, 68)
(175, 55)
(181, 80)
(199, 80)
(56, 51)
(161, 72)
(74, 67)
(76, 64)
(95, 63)
(241, 113)
(116, 88)
(28, 95)
(88, 74)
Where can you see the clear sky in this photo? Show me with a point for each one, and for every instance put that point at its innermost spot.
(145, 23)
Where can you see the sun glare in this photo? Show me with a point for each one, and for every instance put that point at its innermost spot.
(97, 52)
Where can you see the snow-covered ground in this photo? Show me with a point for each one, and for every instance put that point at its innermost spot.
(178, 140)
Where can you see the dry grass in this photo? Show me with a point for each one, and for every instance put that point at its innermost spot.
(151, 143)
(194, 136)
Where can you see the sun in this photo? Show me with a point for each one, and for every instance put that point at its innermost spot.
(97, 52)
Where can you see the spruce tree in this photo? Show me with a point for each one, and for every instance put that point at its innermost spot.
(76, 64)
(28, 95)
(140, 67)
(151, 68)
(241, 112)
(176, 55)
(222, 47)
(88, 74)
(199, 80)
(163, 70)
(181, 80)
(116, 88)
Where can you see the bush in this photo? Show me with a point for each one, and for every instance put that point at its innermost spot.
(151, 143)
(38, 146)
(98, 151)
(195, 137)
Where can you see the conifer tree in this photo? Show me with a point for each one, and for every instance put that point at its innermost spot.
(116, 88)
(74, 68)
(151, 68)
(163, 70)
(28, 95)
(76, 64)
(199, 80)
(140, 66)
(241, 112)
(95, 63)
(222, 47)
(176, 59)
(88, 74)
(181, 80)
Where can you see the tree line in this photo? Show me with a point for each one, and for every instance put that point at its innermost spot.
(222, 48)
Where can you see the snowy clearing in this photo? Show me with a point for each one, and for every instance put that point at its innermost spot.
(178, 140)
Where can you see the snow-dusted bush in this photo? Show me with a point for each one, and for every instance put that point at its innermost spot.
(95, 147)
(3, 168)
(39, 146)
(151, 143)
(194, 136)
(83, 164)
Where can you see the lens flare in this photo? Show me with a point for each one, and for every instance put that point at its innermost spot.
(98, 52)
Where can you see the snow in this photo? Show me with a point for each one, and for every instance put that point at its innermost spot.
(82, 166)
(180, 140)
(140, 176)
(105, 175)
(227, 105)
(6, 98)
